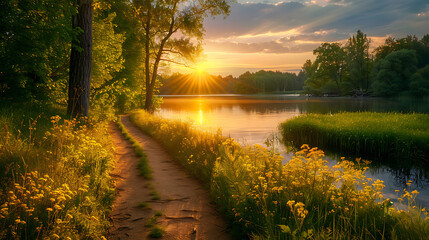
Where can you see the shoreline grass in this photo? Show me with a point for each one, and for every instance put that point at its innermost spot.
(305, 198)
(390, 137)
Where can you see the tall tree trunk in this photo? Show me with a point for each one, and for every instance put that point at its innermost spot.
(150, 82)
(80, 62)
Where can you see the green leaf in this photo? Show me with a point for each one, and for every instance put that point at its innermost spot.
(285, 229)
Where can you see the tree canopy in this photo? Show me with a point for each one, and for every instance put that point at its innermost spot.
(172, 31)
(395, 68)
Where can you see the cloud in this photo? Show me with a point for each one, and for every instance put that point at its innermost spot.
(263, 47)
(290, 26)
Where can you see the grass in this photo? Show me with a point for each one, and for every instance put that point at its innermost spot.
(143, 164)
(152, 221)
(305, 198)
(54, 174)
(144, 205)
(156, 232)
(155, 195)
(384, 136)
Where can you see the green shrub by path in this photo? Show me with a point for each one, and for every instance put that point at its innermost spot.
(55, 180)
(384, 136)
(303, 199)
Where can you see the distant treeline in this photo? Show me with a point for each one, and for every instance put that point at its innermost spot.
(399, 67)
(247, 83)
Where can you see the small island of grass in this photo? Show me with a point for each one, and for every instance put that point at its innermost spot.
(386, 136)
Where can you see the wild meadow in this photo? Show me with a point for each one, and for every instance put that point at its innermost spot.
(302, 199)
(386, 136)
(55, 181)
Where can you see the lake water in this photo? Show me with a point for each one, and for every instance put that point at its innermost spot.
(251, 119)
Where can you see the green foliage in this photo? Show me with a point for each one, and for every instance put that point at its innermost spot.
(268, 81)
(393, 73)
(304, 198)
(350, 70)
(107, 61)
(156, 232)
(172, 32)
(419, 82)
(358, 61)
(411, 43)
(35, 49)
(155, 195)
(339, 70)
(35, 41)
(401, 76)
(382, 136)
(330, 62)
(143, 205)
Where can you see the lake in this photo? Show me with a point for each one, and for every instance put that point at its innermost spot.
(251, 119)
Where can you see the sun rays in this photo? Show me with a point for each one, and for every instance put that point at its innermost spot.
(197, 82)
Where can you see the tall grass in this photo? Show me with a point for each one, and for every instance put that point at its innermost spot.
(385, 136)
(55, 179)
(303, 199)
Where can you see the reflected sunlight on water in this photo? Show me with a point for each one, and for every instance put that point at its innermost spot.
(249, 122)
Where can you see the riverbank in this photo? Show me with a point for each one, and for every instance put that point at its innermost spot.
(265, 199)
(393, 137)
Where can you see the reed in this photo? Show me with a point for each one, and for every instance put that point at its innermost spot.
(303, 199)
(378, 136)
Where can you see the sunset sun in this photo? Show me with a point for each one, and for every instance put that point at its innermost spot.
(202, 67)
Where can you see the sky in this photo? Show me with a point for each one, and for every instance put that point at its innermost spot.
(272, 35)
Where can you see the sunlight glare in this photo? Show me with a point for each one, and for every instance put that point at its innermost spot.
(202, 67)
(200, 119)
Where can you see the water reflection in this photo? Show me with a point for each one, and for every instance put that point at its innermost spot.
(252, 119)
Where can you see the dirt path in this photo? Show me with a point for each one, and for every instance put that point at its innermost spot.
(185, 204)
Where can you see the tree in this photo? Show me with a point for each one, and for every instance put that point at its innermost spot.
(34, 47)
(393, 73)
(358, 60)
(331, 58)
(410, 42)
(419, 82)
(133, 55)
(313, 83)
(80, 61)
(107, 61)
(168, 29)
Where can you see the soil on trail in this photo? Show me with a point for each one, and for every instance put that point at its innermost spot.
(185, 204)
